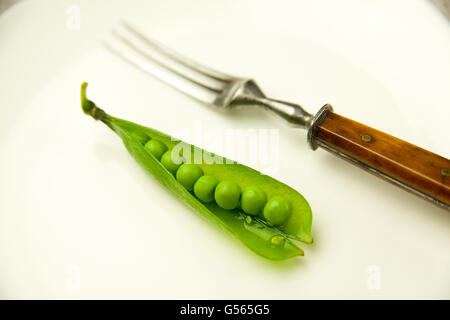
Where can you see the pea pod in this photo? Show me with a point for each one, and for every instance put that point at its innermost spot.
(265, 239)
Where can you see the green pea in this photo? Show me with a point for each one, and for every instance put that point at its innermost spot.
(277, 240)
(277, 210)
(141, 137)
(204, 188)
(156, 148)
(166, 161)
(227, 194)
(253, 200)
(187, 174)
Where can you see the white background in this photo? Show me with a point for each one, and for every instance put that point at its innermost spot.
(79, 219)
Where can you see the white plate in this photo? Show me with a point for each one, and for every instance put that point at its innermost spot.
(80, 219)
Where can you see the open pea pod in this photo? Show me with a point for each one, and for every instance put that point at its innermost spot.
(272, 242)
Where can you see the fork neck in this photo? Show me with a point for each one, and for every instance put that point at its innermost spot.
(247, 91)
(293, 113)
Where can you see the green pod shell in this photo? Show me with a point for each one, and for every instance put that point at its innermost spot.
(269, 242)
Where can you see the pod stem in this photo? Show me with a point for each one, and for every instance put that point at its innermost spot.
(90, 108)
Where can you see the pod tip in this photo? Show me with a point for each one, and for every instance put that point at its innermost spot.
(86, 104)
(89, 107)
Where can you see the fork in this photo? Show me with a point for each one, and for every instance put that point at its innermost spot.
(414, 169)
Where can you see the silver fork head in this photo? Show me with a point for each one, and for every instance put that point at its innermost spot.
(198, 81)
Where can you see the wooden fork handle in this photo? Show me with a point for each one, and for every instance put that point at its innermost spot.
(415, 169)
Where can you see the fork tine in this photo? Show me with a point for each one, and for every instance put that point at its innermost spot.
(188, 87)
(200, 80)
(207, 71)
